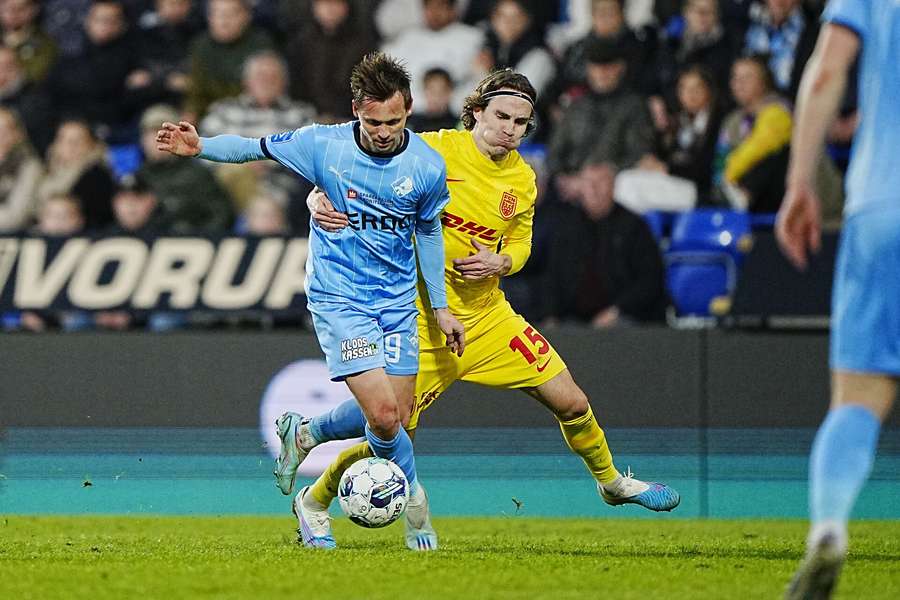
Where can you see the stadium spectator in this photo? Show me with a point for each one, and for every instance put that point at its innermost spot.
(35, 48)
(608, 25)
(680, 174)
(20, 172)
(443, 42)
(543, 13)
(136, 209)
(137, 215)
(59, 216)
(217, 56)
(164, 38)
(109, 55)
(76, 166)
(265, 216)
(27, 98)
(393, 17)
(191, 198)
(438, 92)
(514, 41)
(698, 39)
(294, 15)
(263, 107)
(606, 270)
(321, 56)
(608, 124)
(752, 151)
(785, 31)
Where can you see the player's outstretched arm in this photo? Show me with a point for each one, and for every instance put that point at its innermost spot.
(181, 139)
(323, 213)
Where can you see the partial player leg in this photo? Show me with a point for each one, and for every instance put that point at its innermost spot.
(840, 462)
(585, 438)
(299, 435)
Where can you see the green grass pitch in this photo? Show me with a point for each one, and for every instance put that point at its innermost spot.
(256, 557)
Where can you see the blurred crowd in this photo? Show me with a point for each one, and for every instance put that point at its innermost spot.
(644, 105)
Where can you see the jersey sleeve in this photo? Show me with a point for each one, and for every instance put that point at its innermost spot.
(852, 14)
(434, 201)
(294, 150)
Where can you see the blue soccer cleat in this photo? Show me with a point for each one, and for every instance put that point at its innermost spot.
(314, 529)
(291, 454)
(818, 573)
(420, 534)
(628, 490)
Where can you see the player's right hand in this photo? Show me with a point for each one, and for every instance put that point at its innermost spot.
(798, 226)
(453, 329)
(322, 211)
(180, 140)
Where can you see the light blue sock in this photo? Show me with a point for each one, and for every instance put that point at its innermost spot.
(399, 450)
(840, 462)
(343, 422)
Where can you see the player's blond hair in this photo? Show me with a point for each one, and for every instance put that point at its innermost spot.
(498, 80)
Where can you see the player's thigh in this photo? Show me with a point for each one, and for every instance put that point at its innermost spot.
(865, 334)
(438, 369)
(350, 338)
(874, 391)
(506, 351)
(401, 352)
(404, 387)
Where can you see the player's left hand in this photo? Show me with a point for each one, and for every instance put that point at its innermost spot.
(453, 329)
(798, 226)
(483, 264)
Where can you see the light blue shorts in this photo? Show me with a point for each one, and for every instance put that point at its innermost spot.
(865, 313)
(357, 338)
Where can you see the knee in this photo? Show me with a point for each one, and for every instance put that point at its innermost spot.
(576, 405)
(385, 422)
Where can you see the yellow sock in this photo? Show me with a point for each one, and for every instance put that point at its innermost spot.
(585, 438)
(325, 488)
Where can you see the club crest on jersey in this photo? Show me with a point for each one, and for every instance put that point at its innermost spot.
(351, 193)
(508, 205)
(280, 138)
(402, 186)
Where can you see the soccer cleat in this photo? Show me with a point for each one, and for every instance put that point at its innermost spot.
(420, 535)
(651, 495)
(291, 454)
(315, 525)
(818, 572)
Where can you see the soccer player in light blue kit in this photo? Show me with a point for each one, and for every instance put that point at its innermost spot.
(865, 336)
(361, 282)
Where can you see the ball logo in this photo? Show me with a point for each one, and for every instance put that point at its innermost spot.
(508, 206)
(304, 387)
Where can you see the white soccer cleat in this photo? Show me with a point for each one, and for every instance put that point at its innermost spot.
(292, 429)
(420, 534)
(314, 530)
(818, 572)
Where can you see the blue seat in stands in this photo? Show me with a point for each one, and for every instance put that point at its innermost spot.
(700, 282)
(712, 229)
(124, 159)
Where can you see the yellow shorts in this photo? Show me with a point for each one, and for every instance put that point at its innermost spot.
(502, 350)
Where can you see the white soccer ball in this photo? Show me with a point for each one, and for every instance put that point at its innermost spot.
(373, 492)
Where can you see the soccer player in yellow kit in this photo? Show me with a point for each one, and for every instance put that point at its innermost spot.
(487, 228)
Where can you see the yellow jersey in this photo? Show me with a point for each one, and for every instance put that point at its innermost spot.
(492, 202)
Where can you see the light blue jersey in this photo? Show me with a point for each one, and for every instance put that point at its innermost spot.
(865, 315)
(372, 261)
(873, 179)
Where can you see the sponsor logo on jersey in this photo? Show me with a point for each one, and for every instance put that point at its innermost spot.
(402, 186)
(508, 205)
(351, 193)
(451, 221)
(353, 348)
(363, 221)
